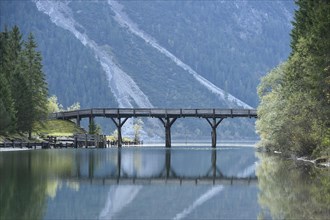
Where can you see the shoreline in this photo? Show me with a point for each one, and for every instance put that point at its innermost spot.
(204, 145)
(2, 149)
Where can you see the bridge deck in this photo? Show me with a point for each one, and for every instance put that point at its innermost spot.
(154, 112)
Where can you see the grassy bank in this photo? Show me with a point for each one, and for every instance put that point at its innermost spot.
(47, 128)
(57, 128)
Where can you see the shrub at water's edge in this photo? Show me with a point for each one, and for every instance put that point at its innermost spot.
(295, 97)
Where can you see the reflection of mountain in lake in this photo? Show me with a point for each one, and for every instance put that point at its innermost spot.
(165, 201)
(75, 183)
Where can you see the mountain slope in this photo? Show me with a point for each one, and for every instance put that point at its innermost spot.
(230, 43)
(183, 54)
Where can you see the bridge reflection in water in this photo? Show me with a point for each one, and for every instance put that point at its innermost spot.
(162, 166)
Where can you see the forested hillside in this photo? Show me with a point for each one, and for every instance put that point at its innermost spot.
(231, 43)
(183, 54)
(295, 97)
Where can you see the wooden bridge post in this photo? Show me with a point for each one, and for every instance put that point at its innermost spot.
(168, 163)
(214, 124)
(91, 121)
(119, 124)
(118, 165)
(214, 163)
(167, 122)
(75, 141)
(120, 138)
(78, 120)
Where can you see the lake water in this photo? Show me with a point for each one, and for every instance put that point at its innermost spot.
(156, 183)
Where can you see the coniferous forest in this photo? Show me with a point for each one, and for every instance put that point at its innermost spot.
(23, 88)
(295, 97)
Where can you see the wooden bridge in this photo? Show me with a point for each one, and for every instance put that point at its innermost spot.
(167, 116)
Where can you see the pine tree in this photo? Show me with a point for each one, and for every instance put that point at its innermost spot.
(7, 108)
(23, 88)
(36, 83)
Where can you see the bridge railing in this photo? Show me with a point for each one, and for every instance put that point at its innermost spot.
(155, 112)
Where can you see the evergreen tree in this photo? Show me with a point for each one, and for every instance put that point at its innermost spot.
(36, 83)
(94, 128)
(7, 110)
(23, 89)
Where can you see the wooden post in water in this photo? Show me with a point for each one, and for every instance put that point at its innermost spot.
(78, 120)
(118, 165)
(91, 121)
(168, 122)
(214, 124)
(119, 124)
(168, 163)
(75, 141)
(86, 143)
(214, 163)
(96, 140)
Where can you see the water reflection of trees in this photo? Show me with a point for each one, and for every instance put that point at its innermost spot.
(25, 182)
(293, 190)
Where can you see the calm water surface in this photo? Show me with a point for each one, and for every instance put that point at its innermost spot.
(155, 183)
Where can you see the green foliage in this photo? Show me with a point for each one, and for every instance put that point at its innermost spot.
(7, 110)
(53, 105)
(94, 128)
(23, 87)
(295, 106)
(137, 126)
(32, 67)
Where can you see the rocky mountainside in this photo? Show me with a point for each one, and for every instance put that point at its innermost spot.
(183, 54)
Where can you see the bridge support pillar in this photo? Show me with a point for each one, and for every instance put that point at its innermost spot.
(119, 124)
(91, 123)
(214, 124)
(168, 163)
(78, 119)
(167, 122)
